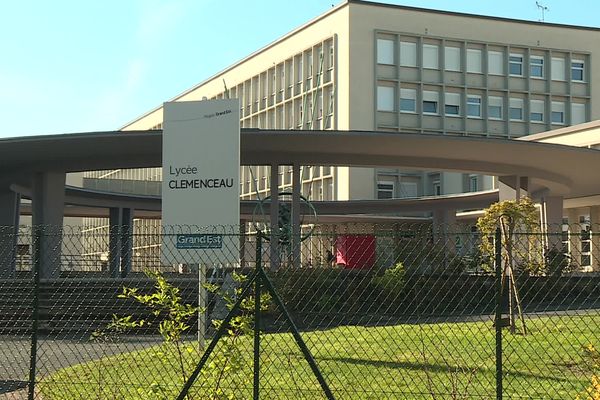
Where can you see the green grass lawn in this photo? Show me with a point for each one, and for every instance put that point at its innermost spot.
(426, 361)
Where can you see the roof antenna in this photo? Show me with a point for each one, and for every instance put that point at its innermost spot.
(542, 9)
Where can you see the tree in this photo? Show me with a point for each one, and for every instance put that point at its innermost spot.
(509, 215)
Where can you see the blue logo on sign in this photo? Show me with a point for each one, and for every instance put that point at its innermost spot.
(199, 241)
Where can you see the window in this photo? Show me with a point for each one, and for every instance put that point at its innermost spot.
(408, 100)
(320, 63)
(558, 69)
(330, 104)
(494, 107)
(309, 70)
(408, 54)
(430, 102)
(289, 73)
(495, 63)
(408, 189)
(320, 104)
(558, 112)
(281, 73)
(577, 70)
(436, 187)
(452, 58)
(299, 70)
(474, 61)
(452, 104)
(430, 56)
(473, 183)
(585, 245)
(586, 259)
(385, 190)
(385, 98)
(473, 106)
(515, 109)
(385, 51)
(536, 110)
(536, 67)
(577, 113)
(515, 64)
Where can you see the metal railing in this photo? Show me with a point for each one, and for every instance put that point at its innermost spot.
(396, 311)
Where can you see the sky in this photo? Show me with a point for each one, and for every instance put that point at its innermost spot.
(81, 66)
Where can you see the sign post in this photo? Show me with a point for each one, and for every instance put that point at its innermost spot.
(200, 187)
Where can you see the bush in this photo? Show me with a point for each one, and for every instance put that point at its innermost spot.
(316, 295)
(391, 283)
(592, 356)
(557, 262)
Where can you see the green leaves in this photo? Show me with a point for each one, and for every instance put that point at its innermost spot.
(512, 217)
(513, 214)
(173, 319)
(165, 303)
(391, 283)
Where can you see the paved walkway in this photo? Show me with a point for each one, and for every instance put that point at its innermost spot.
(52, 355)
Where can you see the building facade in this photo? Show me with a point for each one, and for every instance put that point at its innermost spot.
(372, 66)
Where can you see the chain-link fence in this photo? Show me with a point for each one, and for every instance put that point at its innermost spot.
(357, 312)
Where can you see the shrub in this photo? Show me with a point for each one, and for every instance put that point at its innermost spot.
(557, 262)
(175, 316)
(391, 283)
(593, 358)
(313, 296)
(593, 391)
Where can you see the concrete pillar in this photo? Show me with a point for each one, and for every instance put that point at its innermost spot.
(9, 229)
(126, 241)
(523, 187)
(296, 187)
(444, 223)
(120, 241)
(114, 241)
(574, 236)
(595, 237)
(553, 213)
(513, 187)
(48, 202)
(274, 214)
(505, 192)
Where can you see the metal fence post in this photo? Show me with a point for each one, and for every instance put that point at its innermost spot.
(498, 318)
(35, 312)
(257, 284)
(202, 302)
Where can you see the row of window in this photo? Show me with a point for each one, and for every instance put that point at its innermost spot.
(319, 106)
(387, 189)
(293, 77)
(133, 174)
(496, 62)
(430, 104)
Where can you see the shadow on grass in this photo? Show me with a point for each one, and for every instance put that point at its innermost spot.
(7, 386)
(426, 367)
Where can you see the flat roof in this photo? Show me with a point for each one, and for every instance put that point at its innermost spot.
(552, 168)
(469, 15)
(562, 131)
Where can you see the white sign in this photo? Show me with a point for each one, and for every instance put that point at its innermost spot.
(200, 187)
